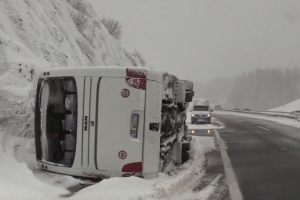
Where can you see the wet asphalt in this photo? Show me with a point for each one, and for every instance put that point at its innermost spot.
(265, 157)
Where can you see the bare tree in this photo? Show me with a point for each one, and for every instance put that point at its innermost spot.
(264, 89)
(113, 26)
(81, 7)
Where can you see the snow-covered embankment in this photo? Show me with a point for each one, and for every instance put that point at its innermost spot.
(18, 182)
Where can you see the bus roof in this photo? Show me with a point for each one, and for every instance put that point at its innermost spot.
(107, 71)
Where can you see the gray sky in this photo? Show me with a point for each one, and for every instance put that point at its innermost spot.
(202, 39)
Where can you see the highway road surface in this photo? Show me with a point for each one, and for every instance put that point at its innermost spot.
(260, 159)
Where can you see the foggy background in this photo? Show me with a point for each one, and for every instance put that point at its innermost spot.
(239, 53)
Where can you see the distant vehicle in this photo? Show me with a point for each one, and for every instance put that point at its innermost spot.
(218, 107)
(103, 122)
(236, 109)
(246, 109)
(201, 112)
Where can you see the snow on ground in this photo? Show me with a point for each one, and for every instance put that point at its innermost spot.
(207, 142)
(292, 106)
(21, 148)
(36, 35)
(116, 188)
(163, 187)
(280, 120)
(18, 182)
(214, 125)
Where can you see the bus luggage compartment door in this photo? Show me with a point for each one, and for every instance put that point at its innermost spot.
(120, 125)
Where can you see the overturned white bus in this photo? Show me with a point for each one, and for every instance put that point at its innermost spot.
(101, 122)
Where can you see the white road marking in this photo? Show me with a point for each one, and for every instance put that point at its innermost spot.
(263, 128)
(240, 120)
(234, 189)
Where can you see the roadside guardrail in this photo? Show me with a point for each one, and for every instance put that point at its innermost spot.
(267, 113)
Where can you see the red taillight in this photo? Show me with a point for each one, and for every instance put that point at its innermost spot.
(133, 167)
(136, 78)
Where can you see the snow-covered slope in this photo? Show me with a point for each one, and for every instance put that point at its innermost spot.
(39, 34)
(293, 106)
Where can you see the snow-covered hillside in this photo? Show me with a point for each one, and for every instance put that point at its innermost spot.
(293, 106)
(39, 34)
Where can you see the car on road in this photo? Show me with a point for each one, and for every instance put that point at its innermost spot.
(201, 112)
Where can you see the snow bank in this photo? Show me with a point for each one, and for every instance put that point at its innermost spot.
(18, 182)
(163, 187)
(293, 106)
(171, 186)
(21, 148)
(117, 189)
